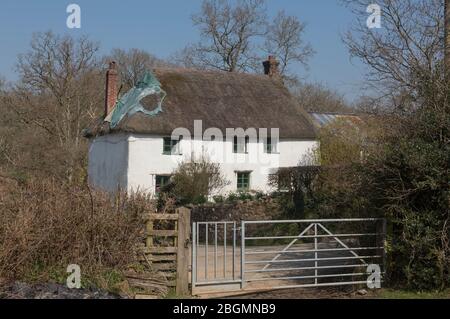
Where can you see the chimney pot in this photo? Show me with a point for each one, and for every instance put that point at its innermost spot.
(271, 66)
(111, 88)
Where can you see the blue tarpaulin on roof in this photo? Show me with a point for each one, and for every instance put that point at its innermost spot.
(129, 103)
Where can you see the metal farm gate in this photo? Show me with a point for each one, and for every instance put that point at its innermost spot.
(255, 255)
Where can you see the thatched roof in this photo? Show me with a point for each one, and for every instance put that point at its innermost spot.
(221, 100)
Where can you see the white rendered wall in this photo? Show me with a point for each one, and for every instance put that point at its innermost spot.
(108, 159)
(146, 160)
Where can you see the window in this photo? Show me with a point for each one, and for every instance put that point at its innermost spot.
(271, 146)
(240, 145)
(161, 181)
(243, 181)
(171, 147)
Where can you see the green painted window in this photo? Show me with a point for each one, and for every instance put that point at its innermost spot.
(240, 145)
(271, 146)
(171, 147)
(243, 181)
(161, 181)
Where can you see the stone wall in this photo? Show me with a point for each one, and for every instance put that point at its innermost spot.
(261, 209)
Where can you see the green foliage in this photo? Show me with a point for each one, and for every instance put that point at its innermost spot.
(239, 196)
(341, 143)
(259, 195)
(232, 197)
(405, 177)
(244, 196)
(219, 199)
(405, 294)
(412, 180)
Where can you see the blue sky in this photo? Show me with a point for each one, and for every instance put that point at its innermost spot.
(164, 26)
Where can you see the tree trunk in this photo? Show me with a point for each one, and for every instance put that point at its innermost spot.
(447, 36)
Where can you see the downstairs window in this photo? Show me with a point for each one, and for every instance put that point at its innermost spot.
(161, 181)
(243, 181)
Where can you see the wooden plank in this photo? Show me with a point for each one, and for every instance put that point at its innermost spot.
(149, 239)
(148, 285)
(184, 231)
(153, 257)
(167, 274)
(161, 250)
(145, 276)
(164, 233)
(164, 266)
(163, 217)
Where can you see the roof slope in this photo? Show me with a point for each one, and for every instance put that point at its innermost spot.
(323, 119)
(221, 100)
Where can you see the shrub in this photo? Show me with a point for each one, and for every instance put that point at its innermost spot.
(298, 183)
(232, 197)
(45, 226)
(260, 195)
(193, 181)
(244, 196)
(405, 178)
(219, 199)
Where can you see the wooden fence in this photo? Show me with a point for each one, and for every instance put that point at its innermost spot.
(166, 250)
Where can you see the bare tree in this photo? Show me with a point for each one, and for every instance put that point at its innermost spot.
(447, 35)
(408, 168)
(227, 32)
(59, 72)
(409, 45)
(59, 92)
(284, 39)
(132, 65)
(236, 35)
(316, 97)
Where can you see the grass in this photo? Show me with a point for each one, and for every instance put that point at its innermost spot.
(404, 294)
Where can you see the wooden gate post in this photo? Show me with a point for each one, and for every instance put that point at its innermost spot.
(184, 233)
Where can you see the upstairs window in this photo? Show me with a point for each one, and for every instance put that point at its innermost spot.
(271, 146)
(243, 181)
(171, 147)
(240, 145)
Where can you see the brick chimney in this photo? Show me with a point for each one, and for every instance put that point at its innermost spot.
(111, 88)
(271, 67)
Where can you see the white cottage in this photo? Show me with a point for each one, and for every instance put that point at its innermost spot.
(248, 123)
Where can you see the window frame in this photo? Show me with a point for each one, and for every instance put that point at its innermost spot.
(174, 146)
(236, 145)
(167, 177)
(269, 147)
(243, 178)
